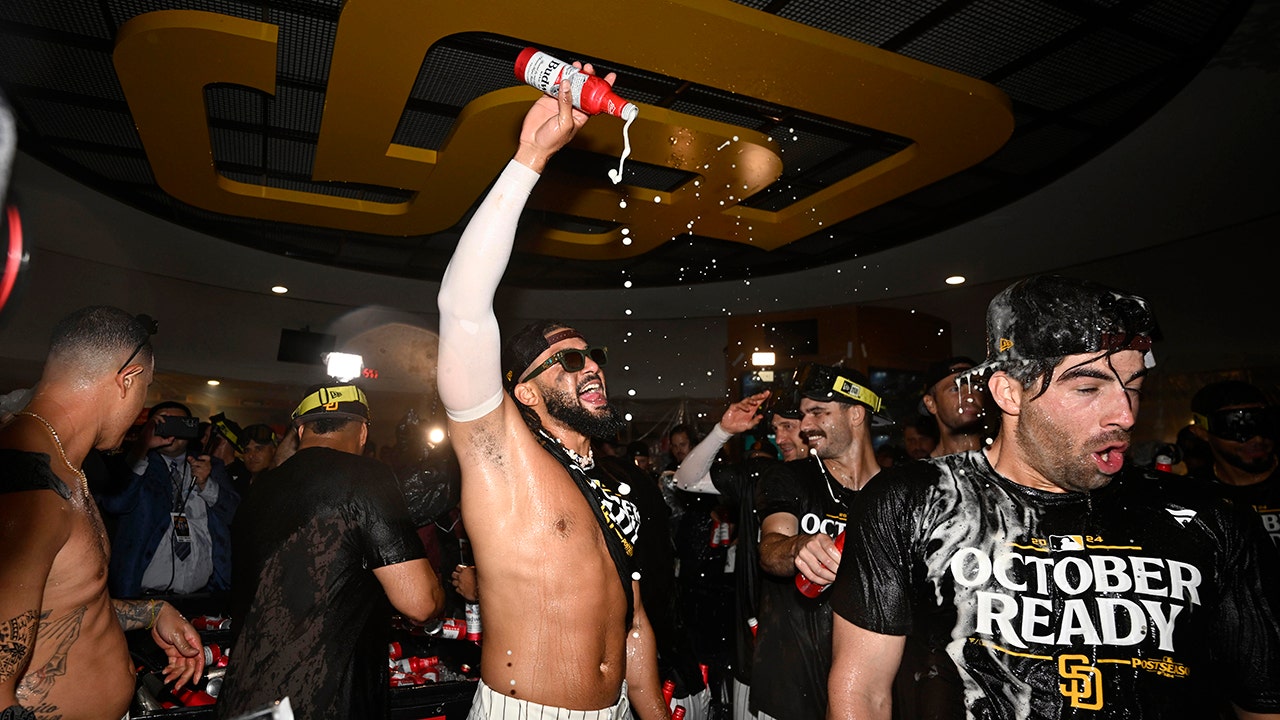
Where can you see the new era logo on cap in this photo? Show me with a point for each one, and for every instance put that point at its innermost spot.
(1005, 344)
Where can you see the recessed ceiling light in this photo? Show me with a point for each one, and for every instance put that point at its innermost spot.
(955, 280)
(215, 383)
(279, 289)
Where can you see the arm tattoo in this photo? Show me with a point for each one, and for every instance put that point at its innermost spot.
(133, 614)
(16, 639)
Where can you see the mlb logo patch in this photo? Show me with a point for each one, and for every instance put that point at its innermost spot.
(1065, 543)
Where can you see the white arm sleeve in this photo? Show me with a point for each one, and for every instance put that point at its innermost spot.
(694, 474)
(469, 374)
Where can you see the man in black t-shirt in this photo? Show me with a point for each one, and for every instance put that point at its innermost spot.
(1241, 428)
(322, 546)
(803, 506)
(1061, 584)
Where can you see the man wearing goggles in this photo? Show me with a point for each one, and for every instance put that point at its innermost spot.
(554, 542)
(1241, 426)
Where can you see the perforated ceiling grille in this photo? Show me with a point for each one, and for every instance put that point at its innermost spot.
(1080, 74)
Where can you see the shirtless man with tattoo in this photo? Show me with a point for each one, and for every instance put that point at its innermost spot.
(62, 646)
(563, 623)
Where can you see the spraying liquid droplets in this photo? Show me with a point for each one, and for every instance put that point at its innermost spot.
(590, 94)
(629, 113)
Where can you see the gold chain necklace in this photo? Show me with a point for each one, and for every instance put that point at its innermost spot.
(84, 479)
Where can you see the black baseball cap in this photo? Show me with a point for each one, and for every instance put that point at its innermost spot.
(259, 433)
(939, 371)
(1226, 393)
(827, 383)
(333, 401)
(1050, 316)
(944, 369)
(1252, 414)
(530, 341)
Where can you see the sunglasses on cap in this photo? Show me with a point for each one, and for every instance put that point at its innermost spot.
(572, 360)
(1242, 424)
(151, 327)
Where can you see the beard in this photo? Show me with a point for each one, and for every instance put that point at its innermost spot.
(1263, 462)
(564, 407)
(1048, 448)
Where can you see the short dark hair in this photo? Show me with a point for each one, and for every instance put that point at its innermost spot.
(327, 425)
(688, 431)
(95, 337)
(925, 425)
(171, 405)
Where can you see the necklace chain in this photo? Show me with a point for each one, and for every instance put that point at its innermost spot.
(586, 463)
(84, 479)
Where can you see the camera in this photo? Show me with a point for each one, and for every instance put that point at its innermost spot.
(181, 428)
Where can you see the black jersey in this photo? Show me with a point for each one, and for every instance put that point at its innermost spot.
(1263, 497)
(737, 486)
(311, 620)
(793, 643)
(1148, 598)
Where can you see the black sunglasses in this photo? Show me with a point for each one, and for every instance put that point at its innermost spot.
(151, 326)
(1241, 424)
(572, 360)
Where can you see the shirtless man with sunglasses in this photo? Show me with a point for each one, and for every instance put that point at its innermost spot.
(559, 597)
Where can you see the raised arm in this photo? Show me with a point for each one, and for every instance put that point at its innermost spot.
(694, 474)
(469, 371)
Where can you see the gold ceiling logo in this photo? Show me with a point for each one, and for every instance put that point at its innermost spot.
(166, 59)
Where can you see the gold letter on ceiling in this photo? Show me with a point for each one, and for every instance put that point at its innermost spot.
(165, 60)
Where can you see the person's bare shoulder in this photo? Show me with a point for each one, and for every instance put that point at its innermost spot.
(34, 523)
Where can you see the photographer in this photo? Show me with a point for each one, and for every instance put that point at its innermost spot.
(175, 511)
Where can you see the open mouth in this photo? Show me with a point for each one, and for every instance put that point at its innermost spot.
(1110, 459)
(592, 393)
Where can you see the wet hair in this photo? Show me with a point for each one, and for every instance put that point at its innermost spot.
(96, 338)
(1036, 322)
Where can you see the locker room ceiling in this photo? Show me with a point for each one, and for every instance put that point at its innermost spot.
(360, 134)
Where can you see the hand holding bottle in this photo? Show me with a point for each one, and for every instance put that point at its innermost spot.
(817, 562)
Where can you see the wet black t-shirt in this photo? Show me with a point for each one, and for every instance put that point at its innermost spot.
(311, 620)
(793, 641)
(1263, 497)
(737, 486)
(1148, 598)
